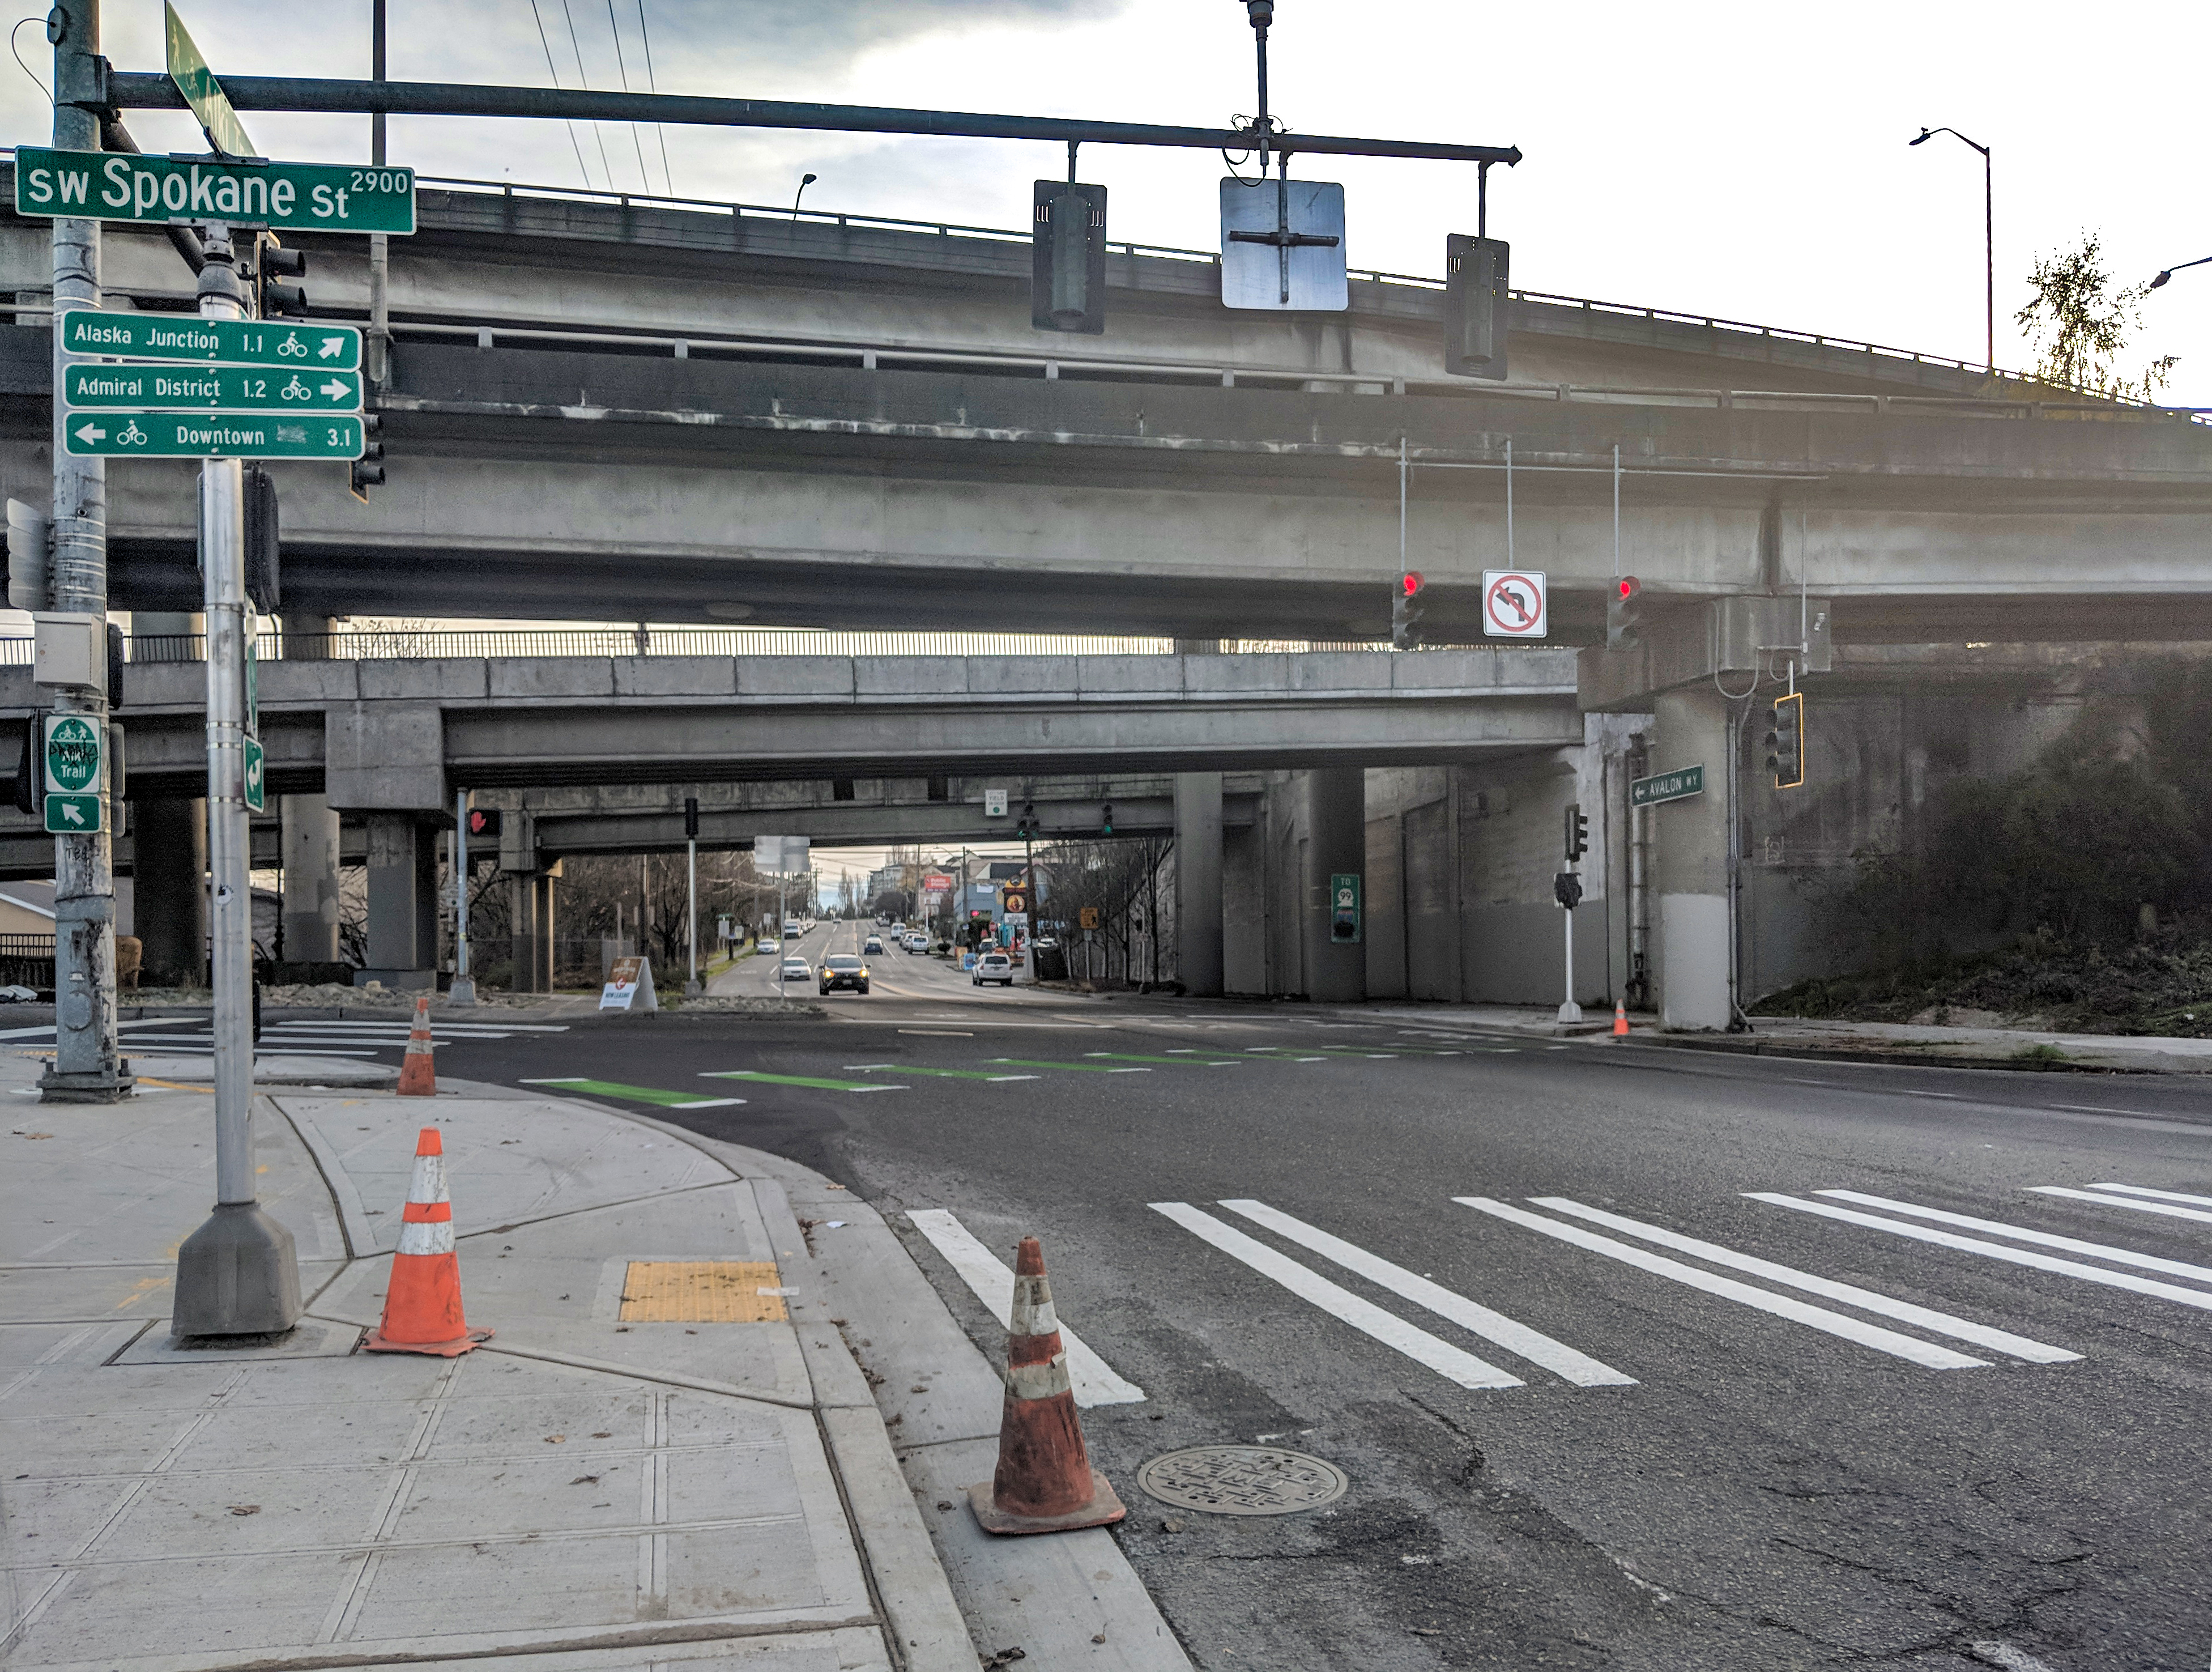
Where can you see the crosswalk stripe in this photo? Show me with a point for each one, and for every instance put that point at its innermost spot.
(992, 1282)
(1940, 1323)
(1496, 1327)
(2161, 1196)
(2140, 1206)
(646, 1094)
(815, 1082)
(1440, 1356)
(2017, 1256)
(2019, 1233)
(1782, 1306)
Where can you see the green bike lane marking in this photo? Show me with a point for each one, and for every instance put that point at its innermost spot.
(607, 1088)
(758, 1078)
(939, 1074)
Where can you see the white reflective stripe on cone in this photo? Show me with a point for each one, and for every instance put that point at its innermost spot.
(429, 1183)
(1046, 1381)
(426, 1236)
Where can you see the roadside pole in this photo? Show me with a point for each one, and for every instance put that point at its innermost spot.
(1568, 1009)
(87, 1066)
(691, 921)
(239, 1274)
(463, 989)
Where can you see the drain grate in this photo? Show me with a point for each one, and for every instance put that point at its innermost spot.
(701, 1292)
(1243, 1480)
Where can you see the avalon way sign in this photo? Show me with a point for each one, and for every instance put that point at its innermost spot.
(179, 336)
(1668, 787)
(284, 196)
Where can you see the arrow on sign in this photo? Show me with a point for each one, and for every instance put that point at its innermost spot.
(335, 390)
(72, 812)
(91, 433)
(332, 349)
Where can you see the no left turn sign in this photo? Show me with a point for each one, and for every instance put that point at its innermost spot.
(1513, 604)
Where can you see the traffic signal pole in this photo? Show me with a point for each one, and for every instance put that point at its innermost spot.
(88, 1064)
(239, 1274)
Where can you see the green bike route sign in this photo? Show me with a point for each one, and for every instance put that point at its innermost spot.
(143, 435)
(210, 388)
(211, 342)
(72, 768)
(283, 197)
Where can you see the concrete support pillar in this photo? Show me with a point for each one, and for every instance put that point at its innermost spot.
(546, 929)
(1691, 836)
(1198, 881)
(309, 854)
(522, 932)
(1336, 845)
(168, 890)
(402, 869)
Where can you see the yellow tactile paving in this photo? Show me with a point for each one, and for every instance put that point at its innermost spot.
(701, 1292)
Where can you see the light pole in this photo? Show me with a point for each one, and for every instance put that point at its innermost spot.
(1989, 238)
(2167, 273)
(805, 180)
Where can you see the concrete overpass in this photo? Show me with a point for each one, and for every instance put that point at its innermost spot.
(620, 409)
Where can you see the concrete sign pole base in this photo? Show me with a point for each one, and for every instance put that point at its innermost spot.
(462, 991)
(238, 1275)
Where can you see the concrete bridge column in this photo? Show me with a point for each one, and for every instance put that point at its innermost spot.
(309, 849)
(168, 890)
(1198, 881)
(1690, 879)
(530, 934)
(403, 902)
(1336, 844)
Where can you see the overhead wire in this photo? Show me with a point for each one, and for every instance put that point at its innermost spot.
(660, 132)
(555, 72)
(644, 179)
(575, 47)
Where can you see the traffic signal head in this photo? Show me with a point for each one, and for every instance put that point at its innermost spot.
(368, 470)
(1068, 257)
(1577, 832)
(274, 264)
(690, 815)
(1106, 820)
(484, 822)
(1407, 606)
(1785, 741)
(1476, 306)
(264, 572)
(1623, 613)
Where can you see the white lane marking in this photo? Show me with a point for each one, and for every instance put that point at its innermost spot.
(1940, 1324)
(1578, 1368)
(1000, 1080)
(2004, 1655)
(2106, 1109)
(1440, 1356)
(2017, 1256)
(2160, 1195)
(2166, 1208)
(1782, 1306)
(2022, 1234)
(992, 1280)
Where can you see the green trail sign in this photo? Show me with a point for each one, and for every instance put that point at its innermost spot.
(72, 768)
(210, 388)
(1668, 787)
(283, 197)
(255, 797)
(217, 435)
(182, 336)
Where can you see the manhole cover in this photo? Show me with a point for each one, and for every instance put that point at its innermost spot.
(1243, 1480)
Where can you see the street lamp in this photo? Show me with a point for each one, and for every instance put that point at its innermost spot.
(806, 180)
(1989, 236)
(2170, 272)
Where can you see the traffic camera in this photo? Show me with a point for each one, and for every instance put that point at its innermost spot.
(1476, 306)
(1068, 257)
(1407, 606)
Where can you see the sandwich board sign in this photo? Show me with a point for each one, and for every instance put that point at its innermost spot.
(630, 986)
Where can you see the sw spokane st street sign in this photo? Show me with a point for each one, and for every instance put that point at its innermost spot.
(284, 196)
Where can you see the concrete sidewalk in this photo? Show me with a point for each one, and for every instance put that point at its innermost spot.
(1872, 1042)
(641, 1469)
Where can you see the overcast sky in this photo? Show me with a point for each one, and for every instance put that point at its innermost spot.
(1748, 162)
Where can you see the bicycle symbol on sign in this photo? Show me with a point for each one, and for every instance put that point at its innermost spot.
(292, 348)
(296, 389)
(130, 435)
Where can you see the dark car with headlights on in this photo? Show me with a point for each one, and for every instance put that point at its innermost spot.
(846, 971)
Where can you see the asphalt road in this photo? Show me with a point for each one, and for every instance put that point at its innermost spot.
(1647, 1453)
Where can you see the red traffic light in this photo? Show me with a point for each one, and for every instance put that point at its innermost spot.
(1411, 582)
(1628, 586)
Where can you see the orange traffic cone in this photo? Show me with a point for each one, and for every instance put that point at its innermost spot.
(1619, 1020)
(1045, 1483)
(422, 1302)
(418, 1072)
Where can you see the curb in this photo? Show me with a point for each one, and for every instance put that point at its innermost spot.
(1894, 1058)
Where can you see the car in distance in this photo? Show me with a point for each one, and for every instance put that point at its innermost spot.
(917, 943)
(875, 946)
(843, 971)
(994, 967)
(768, 943)
(795, 970)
